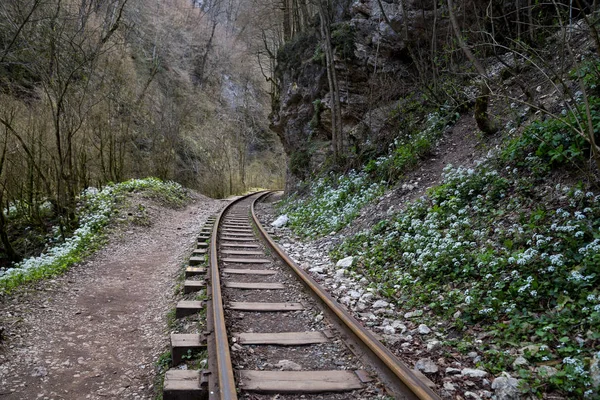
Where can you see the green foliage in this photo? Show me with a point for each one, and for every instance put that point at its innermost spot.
(318, 56)
(299, 162)
(406, 152)
(161, 365)
(94, 213)
(522, 263)
(589, 73)
(316, 118)
(343, 39)
(555, 141)
(333, 202)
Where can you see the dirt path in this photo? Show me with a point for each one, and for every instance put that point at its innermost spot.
(96, 332)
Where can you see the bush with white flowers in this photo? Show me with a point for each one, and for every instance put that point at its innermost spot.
(94, 212)
(521, 259)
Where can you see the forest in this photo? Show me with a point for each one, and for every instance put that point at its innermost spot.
(101, 91)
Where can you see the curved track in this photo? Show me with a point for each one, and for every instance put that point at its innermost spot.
(274, 330)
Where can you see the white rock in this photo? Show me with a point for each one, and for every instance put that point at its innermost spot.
(452, 371)
(355, 294)
(380, 304)
(424, 329)
(457, 315)
(280, 221)
(426, 365)
(345, 262)
(287, 365)
(474, 373)
(399, 326)
(346, 300)
(360, 306)
(367, 297)
(433, 345)
(471, 395)
(317, 270)
(412, 314)
(449, 387)
(340, 272)
(546, 371)
(506, 387)
(520, 361)
(389, 330)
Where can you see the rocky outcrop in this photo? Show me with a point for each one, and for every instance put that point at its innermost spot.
(372, 65)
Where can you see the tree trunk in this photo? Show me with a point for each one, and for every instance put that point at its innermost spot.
(336, 114)
(481, 104)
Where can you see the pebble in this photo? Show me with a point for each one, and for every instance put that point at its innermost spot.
(433, 345)
(39, 372)
(424, 329)
(452, 371)
(506, 387)
(474, 373)
(380, 304)
(345, 262)
(519, 362)
(426, 365)
(449, 387)
(412, 314)
(287, 365)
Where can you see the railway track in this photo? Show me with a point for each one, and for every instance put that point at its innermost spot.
(271, 329)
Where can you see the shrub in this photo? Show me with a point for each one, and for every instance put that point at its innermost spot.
(95, 210)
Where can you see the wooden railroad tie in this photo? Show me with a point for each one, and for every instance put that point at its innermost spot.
(199, 251)
(238, 239)
(298, 381)
(182, 343)
(185, 385)
(193, 286)
(194, 271)
(197, 260)
(247, 260)
(264, 307)
(238, 229)
(237, 234)
(188, 307)
(202, 245)
(254, 285)
(281, 338)
(240, 245)
(243, 252)
(249, 271)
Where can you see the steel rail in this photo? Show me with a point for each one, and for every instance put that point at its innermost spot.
(227, 389)
(394, 365)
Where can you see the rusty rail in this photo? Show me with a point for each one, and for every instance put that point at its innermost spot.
(226, 380)
(415, 388)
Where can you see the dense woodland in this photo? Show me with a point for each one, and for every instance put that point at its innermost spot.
(98, 91)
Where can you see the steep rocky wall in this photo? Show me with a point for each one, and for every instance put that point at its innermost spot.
(372, 78)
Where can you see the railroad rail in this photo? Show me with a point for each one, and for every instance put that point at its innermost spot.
(272, 329)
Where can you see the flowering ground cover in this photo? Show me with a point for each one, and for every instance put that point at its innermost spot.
(505, 260)
(96, 208)
(520, 261)
(336, 199)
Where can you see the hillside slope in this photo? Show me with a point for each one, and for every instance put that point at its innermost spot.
(476, 257)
